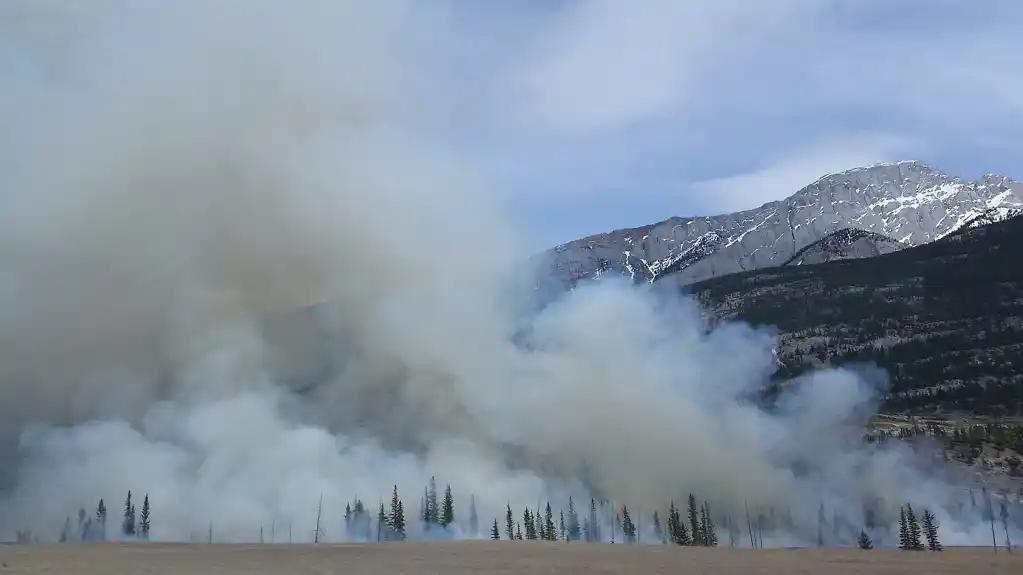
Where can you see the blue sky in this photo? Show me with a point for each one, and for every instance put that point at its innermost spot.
(595, 114)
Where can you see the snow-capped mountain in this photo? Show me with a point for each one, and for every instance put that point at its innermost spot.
(907, 202)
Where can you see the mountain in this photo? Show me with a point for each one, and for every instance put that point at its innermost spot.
(902, 204)
(944, 319)
(846, 243)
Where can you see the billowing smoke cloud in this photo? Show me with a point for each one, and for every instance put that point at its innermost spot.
(181, 180)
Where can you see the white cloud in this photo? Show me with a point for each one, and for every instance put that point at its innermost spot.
(607, 64)
(783, 175)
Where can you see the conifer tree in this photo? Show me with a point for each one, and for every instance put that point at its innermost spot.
(81, 523)
(528, 524)
(348, 520)
(548, 524)
(628, 527)
(930, 528)
(518, 532)
(65, 533)
(509, 523)
(447, 511)
(101, 521)
(914, 529)
(87, 530)
(128, 522)
(903, 530)
(144, 519)
(707, 528)
(432, 512)
(495, 533)
(677, 531)
(573, 533)
(864, 541)
(562, 528)
(383, 524)
(658, 529)
(397, 518)
(694, 521)
(361, 523)
(594, 526)
(473, 517)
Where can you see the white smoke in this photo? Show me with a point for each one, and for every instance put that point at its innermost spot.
(175, 173)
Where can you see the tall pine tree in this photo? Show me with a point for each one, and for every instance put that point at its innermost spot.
(397, 518)
(495, 533)
(128, 521)
(628, 527)
(447, 511)
(573, 522)
(144, 519)
(694, 521)
(914, 529)
(549, 529)
(904, 543)
(707, 529)
(677, 528)
(509, 523)
(101, 521)
(931, 531)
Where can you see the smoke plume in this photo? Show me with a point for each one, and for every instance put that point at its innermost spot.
(183, 180)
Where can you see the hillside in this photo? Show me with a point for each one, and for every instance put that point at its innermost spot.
(905, 203)
(945, 319)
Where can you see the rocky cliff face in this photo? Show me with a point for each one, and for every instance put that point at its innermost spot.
(907, 202)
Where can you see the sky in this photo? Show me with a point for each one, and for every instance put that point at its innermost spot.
(585, 116)
(592, 115)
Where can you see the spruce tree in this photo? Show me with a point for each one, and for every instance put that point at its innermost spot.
(397, 518)
(431, 501)
(473, 517)
(914, 529)
(101, 521)
(658, 530)
(548, 524)
(65, 533)
(348, 520)
(447, 511)
(864, 541)
(128, 522)
(931, 531)
(144, 519)
(594, 526)
(562, 528)
(81, 523)
(903, 530)
(529, 526)
(509, 523)
(628, 528)
(495, 533)
(707, 528)
(518, 532)
(694, 521)
(383, 524)
(677, 530)
(573, 522)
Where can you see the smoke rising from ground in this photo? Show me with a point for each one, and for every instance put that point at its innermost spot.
(174, 174)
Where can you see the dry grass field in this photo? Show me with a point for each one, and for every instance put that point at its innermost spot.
(499, 558)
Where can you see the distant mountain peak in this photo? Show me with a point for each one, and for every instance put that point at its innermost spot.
(907, 201)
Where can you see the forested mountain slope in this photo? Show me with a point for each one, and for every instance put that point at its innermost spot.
(945, 318)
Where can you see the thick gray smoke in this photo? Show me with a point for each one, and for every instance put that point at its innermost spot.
(178, 178)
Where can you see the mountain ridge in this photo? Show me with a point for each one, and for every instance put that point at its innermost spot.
(907, 201)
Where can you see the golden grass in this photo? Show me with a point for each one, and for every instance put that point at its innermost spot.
(499, 558)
